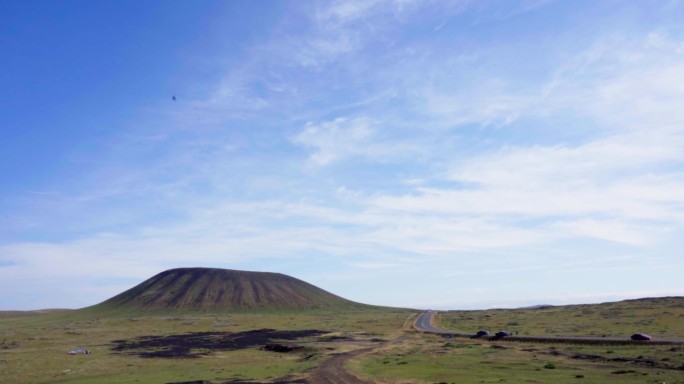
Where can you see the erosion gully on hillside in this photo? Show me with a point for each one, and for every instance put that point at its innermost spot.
(213, 288)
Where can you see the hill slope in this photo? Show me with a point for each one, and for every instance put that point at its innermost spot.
(210, 288)
(660, 317)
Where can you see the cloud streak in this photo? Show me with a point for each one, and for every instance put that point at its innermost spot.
(375, 142)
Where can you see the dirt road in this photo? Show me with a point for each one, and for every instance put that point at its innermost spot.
(333, 371)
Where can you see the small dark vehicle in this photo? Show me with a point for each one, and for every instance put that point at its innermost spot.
(641, 337)
(480, 333)
(501, 334)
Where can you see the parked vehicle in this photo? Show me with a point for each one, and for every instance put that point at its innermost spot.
(501, 334)
(481, 333)
(641, 337)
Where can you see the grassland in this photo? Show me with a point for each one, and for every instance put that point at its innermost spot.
(658, 317)
(33, 348)
(431, 359)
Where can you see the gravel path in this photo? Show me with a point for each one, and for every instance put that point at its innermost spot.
(333, 371)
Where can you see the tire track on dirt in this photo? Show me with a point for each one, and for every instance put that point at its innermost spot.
(333, 371)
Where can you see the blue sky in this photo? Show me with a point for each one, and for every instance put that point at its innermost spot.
(463, 154)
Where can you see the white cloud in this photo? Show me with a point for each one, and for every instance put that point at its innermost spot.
(336, 139)
(344, 12)
(622, 183)
(351, 138)
(488, 105)
(477, 168)
(371, 265)
(611, 230)
(625, 83)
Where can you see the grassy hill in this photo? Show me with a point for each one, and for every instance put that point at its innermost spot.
(209, 289)
(661, 317)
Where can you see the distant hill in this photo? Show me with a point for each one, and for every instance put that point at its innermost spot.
(660, 317)
(222, 289)
(37, 312)
(538, 306)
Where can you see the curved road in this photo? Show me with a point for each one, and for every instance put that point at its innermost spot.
(424, 323)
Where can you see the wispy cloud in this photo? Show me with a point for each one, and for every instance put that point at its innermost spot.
(337, 139)
(624, 172)
(372, 141)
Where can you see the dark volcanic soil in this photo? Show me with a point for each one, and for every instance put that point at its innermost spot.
(239, 382)
(193, 345)
(221, 289)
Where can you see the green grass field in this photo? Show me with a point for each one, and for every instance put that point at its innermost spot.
(33, 347)
(660, 318)
(431, 359)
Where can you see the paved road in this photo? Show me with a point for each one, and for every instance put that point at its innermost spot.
(424, 323)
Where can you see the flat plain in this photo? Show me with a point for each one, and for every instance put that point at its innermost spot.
(34, 348)
(230, 346)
